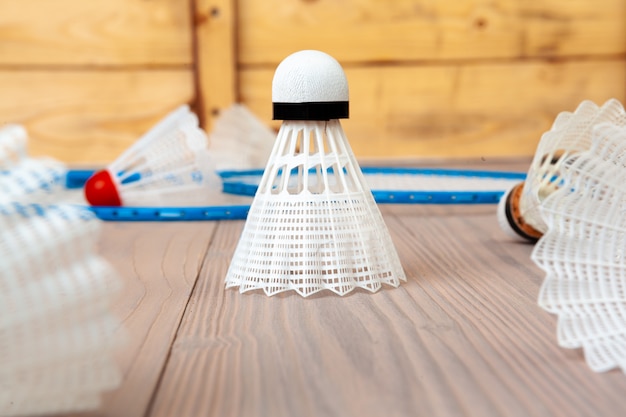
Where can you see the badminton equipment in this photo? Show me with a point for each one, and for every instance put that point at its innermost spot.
(34, 181)
(406, 185)
(168, 166)
(26, 179)
(583, 252)
(518, 212)
(57, 333)
(308, 230)
(239, 140)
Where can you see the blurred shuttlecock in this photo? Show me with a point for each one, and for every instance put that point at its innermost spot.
(239, 140)
(26, 179)
(34, 181)
(518, 211)
(168, 166)
(583, 251)
(57, 335)
(313, 224)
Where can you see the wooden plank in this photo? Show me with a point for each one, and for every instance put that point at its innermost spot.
(95, 32)
(572, 28)
(90, 116)
(468, 110)
(209, 308)
(462, 337)
(215, 58)
(158, 264)
(406, 30)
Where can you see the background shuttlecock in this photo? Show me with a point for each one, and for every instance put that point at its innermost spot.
(168, 166)
(27, 179)
(583, 251)
(57, 335)
(518, 211)
(239, 140)
(319, 231)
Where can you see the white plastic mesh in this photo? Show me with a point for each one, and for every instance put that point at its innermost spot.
(26, 179)
(239, 140)
(308, 230)
(57, 334)
(417, 181)
(584, 251)
(34, 180)
(168, 166)
(570, 134)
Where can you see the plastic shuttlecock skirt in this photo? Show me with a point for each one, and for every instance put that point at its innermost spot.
(58, 334)
(315, 244)
(584, 252)
(169, 166)
(571, 133)
(308, 230)
(34, 180)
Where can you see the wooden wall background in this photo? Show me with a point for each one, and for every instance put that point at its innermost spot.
(428, 78)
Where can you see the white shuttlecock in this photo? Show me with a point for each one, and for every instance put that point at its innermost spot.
(57, 333)
(583, 252)
(26, 179)
(13, 141)
(240, 140)
(518, 212)
(168, 166)
(313, 224)
(32, 180)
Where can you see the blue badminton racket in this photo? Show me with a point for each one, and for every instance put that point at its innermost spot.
(389, 186)
(408, 185)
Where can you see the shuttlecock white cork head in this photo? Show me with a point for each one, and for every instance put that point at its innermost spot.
(310, 85)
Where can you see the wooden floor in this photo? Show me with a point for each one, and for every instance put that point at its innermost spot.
(462, 337)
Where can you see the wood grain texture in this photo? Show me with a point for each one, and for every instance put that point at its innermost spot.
(409, 30)
(216, 76)
(159, 264)
(464, 336)
(90, 116)
(95, 32)
(461, 110)
(431, 79)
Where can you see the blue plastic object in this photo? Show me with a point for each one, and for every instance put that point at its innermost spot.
(238, 182)
(171, 213)
(76, 178)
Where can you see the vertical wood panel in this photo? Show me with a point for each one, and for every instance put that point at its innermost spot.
(215, 58)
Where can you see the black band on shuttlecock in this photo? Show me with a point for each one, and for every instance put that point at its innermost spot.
(319, 110)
